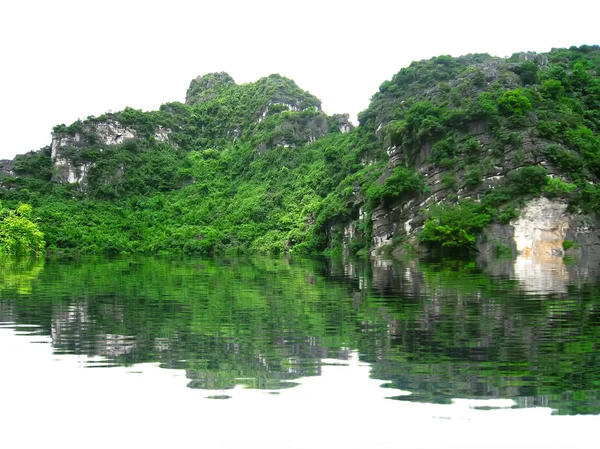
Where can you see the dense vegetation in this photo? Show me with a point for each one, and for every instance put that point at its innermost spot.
(18, 234)
(259, 167)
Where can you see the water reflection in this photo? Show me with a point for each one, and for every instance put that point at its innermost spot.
(484, 330)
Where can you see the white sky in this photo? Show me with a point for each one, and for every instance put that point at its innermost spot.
(61, 60)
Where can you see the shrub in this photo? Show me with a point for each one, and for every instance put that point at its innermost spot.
(18, 234)
(402, 180)
(528, 72)
(473, 176)
(528, 180)
(556, 187)
(454, 226)
(513, 102)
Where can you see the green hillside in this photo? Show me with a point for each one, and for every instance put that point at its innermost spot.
(259, 167)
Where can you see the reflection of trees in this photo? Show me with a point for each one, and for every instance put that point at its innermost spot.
(19, 273)
(439, 330)
(226, 323)
(463, 333)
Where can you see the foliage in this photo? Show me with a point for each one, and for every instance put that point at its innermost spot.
(258, 167)
(528, 180)
(19, 235)
(400, 182)
(528, 72)
(557, 187)
(454, 226)
(513, 102)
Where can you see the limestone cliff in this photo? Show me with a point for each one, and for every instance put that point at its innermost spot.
(75, 149)
(449, 120)
(477, 153)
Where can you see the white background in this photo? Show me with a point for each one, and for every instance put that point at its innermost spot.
(62, 60)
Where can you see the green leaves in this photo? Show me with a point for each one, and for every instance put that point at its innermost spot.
(513, 102)
(18, 234)
(454, 227)
(401, 181)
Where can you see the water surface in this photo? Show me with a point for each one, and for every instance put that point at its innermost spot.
(288, 352)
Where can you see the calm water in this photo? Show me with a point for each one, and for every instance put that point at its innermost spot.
(285, 352)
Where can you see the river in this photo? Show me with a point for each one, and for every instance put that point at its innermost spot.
(297, 353)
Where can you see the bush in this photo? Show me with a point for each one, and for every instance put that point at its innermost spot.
(555, 187)
(513, 102)
(473, 176)
(18, 234)
(528, 72)
(528, 180)
(454, 226)
(401, 181)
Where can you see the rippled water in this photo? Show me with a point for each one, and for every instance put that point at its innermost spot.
(314, 344)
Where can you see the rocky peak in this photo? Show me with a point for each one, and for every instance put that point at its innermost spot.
(343, 122)
(68, 142)
(541, 60)
(277, 89)
(205, 88)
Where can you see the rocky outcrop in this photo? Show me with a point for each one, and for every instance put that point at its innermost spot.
(7, 174)
(6, 168)
(543, 224)
(343, 122)
(545, 231)
(295, 130)
(205, 88)
(541, 228)
(70, 165)
(541, 60)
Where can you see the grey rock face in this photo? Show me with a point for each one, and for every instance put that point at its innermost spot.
(541, 60)
(6, 167)
(543, 225)
(70, 167)
(343, 122)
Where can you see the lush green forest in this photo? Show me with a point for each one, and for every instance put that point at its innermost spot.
(259, 167)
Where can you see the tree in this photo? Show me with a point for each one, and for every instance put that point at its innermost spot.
(528, 72)
(18, 234)
(514, 102)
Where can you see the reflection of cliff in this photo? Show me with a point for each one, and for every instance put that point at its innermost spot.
(441, 330)
(459, 329)
(7, 312)
(538, 275)
(73, 331)
(211, 360)
(544, 275)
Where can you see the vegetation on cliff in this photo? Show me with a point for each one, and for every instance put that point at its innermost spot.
(455, 143)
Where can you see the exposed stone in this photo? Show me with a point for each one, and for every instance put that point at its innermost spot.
(541, 228)
(343, 122)
(69, 168)
(162, 134)
(541, 60)
(67, 171)
(6, 167)
(297, 131)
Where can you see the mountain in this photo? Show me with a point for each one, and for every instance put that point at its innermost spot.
(453, 154)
